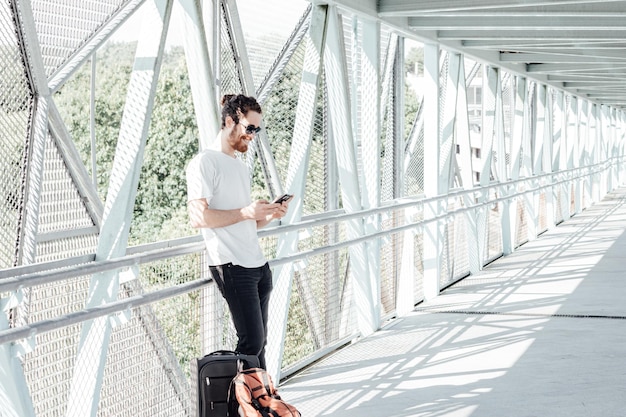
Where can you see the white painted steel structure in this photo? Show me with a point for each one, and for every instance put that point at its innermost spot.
(400, 192)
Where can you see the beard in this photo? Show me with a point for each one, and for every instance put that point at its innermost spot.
(239, 142)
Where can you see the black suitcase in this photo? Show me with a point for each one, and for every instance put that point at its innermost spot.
(213, 374)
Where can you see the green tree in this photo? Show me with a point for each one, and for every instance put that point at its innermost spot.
(171, 142)
(414, 61)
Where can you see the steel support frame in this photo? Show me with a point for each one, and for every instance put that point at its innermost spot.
(406, 280)
(95, 334)
(295, 183)
(366, 285)
(526, 168)
(368, 86)
(491, 82)
(201, 75)
(455, 82)
(538, 134)
(465, 168)
(433, 231)
(510, 210)
(14, 391)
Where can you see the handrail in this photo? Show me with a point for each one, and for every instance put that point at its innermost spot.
(29, 275)
(184, 246)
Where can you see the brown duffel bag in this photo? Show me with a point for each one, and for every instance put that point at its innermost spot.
(253, 395)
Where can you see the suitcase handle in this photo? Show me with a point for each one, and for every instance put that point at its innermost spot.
(223, 353)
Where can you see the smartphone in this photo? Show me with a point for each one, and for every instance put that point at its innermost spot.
(283, 198)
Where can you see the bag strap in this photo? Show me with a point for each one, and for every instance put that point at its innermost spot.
(266, 383)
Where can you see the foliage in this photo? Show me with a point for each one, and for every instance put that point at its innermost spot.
(113, 69)
(414, 61)
(172, 141)
(411, 107)
(172, 138)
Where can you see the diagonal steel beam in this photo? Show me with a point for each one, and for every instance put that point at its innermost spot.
(90, 362)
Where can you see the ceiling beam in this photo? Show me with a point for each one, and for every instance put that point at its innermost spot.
(518, 22)
(592, 69)
(413, 7)
(541, 35)
(572, 57)
(558, 44)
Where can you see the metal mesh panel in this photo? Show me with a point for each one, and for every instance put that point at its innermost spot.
(16, 103)
(414, 172)
(542, 224)
(521, 233)
(388, 132)
(49, 367)
(279, 123)
(231, 82)
(61, 206)
(64, 25)
(385, 36)
(508, 106)
(414, 176)
(315, 198)
(264, 42)
(320, 311)
(178, 316)
(390, 256)
(459, 254)
(279, 115)
(132, 363)
(558, 204)
(66, 247)
(419, 267)
(443, 86)
(455, 260)
(447, 255)
(154, 347)
(494, 230)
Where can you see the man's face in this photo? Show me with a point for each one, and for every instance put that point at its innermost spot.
(244, 131)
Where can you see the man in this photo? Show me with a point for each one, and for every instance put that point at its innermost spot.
(219, 203)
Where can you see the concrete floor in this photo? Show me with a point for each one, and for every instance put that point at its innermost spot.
(541, 332)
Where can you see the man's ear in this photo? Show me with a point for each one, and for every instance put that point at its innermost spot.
(229, 122)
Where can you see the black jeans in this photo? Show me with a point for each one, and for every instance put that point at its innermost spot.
(247, 292)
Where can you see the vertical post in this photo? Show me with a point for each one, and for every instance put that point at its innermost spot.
(370, 126)
(538, 153)
(548, 150)
(510, 211)
(491, 81)
(433, 245)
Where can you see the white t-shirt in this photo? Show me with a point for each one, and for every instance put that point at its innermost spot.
(224, 182)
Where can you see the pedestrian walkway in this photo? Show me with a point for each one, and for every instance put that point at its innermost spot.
(541, 332)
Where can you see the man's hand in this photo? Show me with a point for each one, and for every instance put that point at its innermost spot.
(261, 211)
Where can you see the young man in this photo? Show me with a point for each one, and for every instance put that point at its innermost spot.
(219, 203)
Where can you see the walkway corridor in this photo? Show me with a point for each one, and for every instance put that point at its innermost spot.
(541, 332)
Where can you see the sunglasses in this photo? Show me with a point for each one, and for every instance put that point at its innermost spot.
(251, 129)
